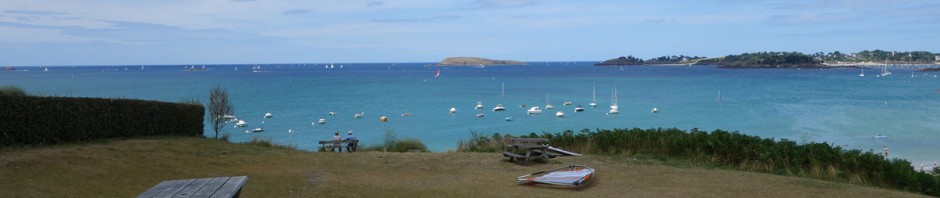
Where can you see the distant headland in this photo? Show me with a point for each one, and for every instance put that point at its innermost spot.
(789, 60)
(475, 61)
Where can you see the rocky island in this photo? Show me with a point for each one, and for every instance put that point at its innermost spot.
(475, 61)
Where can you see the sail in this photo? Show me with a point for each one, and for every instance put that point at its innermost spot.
(566, 176)
(437, 73)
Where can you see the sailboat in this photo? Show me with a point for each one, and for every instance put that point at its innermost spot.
(479, 105)
(885, 72)
(614, 109)
(719, 95)
(863, 73)
(548, 106)
(593, 96)
(437, 73)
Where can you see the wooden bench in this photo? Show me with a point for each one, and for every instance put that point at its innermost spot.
(350, 145)
(201, 187)
(527, 149)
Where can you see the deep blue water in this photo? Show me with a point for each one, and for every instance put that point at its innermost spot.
(835, 105)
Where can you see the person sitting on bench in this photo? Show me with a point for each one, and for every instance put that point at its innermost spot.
(351, 146)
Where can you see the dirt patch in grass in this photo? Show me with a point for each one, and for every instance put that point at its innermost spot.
(125, 168)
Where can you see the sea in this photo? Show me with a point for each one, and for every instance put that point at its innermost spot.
(836, 106)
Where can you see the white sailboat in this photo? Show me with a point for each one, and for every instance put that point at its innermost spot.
(863, 72)
(593, 96)
(479, 105)
(719, 95)
(884, 71)
(560, 114)
(547, 105)
(453, 110)
(614, 109)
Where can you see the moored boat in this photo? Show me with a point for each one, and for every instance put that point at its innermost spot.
(499, 107)
(534, 110)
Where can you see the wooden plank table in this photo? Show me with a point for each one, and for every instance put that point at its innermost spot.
(201, 187)
(538, 150)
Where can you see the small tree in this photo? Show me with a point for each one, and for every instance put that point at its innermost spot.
(219, 107)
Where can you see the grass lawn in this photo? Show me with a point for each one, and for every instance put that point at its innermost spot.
(125, 168)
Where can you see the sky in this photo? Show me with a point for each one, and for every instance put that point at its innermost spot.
(136, 32)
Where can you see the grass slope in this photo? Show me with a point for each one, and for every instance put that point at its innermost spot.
(125, 168)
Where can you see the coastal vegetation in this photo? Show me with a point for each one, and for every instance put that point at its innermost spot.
(680, 59)
(11, 91)
(127, 167)
(765, 59)
(391, 143)
(36, 120)
(475, 61)
(737, 151)
(623, 60)
(879, 56)
(788, 59)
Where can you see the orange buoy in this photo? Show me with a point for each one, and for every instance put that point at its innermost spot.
(383, 119)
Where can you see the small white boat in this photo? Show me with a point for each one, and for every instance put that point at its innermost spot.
(655, 110)
(499, 107)
(331, 113)
(479, 105)
(560, 114)
(578, 109)
(510, 119)
(534, 110)
(863, 73)
(241, 123)
(480, 115)
(568, 103)
(453, 110)
(321, 121)
(259, 129)
(358, 115)
(268, 115)
(229, 118)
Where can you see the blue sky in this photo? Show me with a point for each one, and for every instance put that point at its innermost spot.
(109, 32)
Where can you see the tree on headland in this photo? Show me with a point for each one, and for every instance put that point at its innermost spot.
(219, 107)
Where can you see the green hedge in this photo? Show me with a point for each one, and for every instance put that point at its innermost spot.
(740, 151)
(31, 120)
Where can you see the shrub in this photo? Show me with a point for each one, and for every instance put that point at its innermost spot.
(11, 91)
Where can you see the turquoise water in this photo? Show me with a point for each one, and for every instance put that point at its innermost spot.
(835, 106)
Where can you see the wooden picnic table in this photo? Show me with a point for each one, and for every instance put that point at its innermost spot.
(533, 151)
(201, 187)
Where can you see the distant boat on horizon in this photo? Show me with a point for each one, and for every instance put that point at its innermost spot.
(437, 73)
